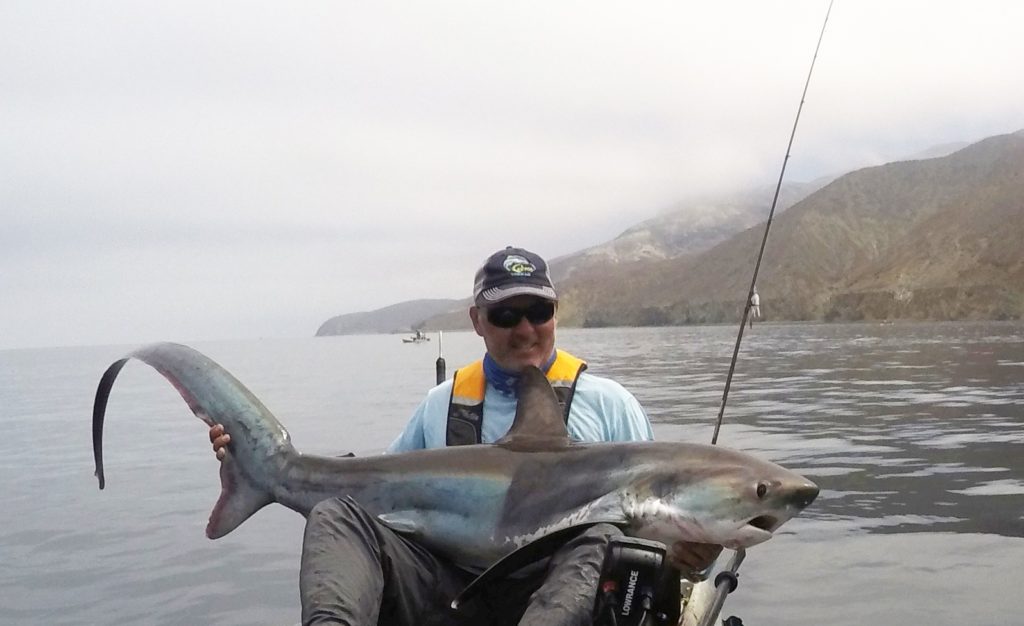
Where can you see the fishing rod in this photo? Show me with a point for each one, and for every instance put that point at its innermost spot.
(726, 580)
(767, 229)
(439, 365)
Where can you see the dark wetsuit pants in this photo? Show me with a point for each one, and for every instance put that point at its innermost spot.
(358, 572)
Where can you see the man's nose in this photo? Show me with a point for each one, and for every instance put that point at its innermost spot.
(524, 326)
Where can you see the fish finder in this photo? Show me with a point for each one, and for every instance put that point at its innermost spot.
(638, 586)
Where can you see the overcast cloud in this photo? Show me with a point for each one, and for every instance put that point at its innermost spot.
(193, 170)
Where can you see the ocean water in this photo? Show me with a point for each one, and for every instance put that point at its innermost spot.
(915, 433)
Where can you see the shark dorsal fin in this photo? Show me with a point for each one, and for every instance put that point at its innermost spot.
(539, 423)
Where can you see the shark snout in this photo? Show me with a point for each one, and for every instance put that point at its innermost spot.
(793, 498)
(803, 495)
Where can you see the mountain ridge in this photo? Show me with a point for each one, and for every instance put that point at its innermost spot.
(400, 317)
(923, 238)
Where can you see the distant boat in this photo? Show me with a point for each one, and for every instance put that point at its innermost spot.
(419, 337)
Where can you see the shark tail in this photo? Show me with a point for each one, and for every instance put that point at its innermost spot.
(99, 408)
(239, 499)
(259, 442)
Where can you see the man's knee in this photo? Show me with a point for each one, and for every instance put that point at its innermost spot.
(596, 537)
(584, 554)
(570, 586)
(339, 517)
(336, 508)
(602, 532)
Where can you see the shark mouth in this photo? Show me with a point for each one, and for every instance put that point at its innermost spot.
(766, 523)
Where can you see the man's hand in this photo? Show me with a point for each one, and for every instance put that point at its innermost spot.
(691, 558)
(220, 440)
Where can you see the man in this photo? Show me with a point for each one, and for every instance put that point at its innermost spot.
(514, 312)
(355, 570)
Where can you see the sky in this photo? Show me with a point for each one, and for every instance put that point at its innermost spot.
(189, 171)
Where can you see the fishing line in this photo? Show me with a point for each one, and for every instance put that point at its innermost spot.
(767, 228)
(725, 582)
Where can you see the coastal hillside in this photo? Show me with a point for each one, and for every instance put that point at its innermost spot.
(401, 317)
(925, 239)
(931, 238)
(686, 228)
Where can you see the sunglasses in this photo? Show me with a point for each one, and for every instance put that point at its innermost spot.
(539, 312)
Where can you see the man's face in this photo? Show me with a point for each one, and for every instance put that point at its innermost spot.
(524, 344)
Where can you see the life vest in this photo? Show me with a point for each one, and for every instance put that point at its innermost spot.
(466, 406)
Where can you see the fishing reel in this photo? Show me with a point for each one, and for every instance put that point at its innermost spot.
(638, 586)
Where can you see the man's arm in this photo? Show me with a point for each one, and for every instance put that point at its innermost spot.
(602, 410)
(633, 425)
(412, 438)
(428, 425)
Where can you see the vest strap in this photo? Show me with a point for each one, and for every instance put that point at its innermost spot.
(466, 405)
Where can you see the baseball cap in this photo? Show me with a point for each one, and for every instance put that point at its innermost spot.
(512, 272)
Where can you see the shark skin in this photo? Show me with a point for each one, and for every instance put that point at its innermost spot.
(477, 504)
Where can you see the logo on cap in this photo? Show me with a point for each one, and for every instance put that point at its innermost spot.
(518, 266)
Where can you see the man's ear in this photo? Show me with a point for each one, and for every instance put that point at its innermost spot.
(474, 315)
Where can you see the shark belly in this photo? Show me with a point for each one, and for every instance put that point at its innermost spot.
(454, 516)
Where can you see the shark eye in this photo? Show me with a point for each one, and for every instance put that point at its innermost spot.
(762, 490)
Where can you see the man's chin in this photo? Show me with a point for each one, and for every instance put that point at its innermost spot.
(517, 364)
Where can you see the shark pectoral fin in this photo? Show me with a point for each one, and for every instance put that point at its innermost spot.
(400, 522)
(239, 499)
(521, 557)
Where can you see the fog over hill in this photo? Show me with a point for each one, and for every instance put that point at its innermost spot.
(685, 229)
(926, 238)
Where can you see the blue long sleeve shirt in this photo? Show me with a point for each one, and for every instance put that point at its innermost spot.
(601, 410)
